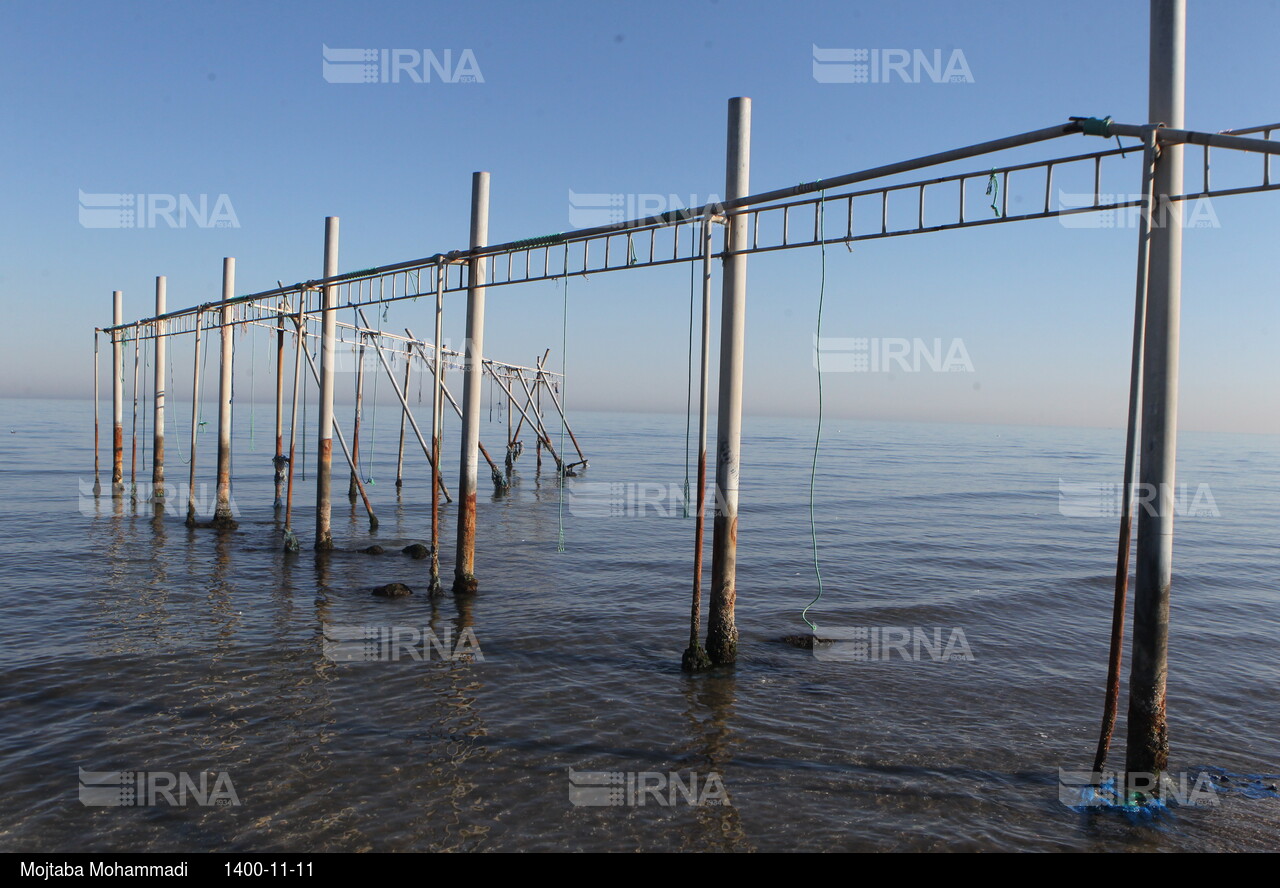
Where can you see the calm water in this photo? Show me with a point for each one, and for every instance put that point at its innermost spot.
(137, 644)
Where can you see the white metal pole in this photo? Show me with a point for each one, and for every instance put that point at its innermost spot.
(722, 631)
(158, 395)
(222, 516)
(473, 378)
(328, 340)
(1147, 749)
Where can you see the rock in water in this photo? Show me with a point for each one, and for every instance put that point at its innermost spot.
(417, 550)
(373, 550)
(393, 590)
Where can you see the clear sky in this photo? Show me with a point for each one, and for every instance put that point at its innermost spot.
(630, 98)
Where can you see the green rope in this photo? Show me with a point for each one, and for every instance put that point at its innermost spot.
(813, 470)
(564, 341)
(993, 189)
(545, 241)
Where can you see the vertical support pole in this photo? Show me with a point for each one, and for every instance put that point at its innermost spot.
(437, 431)
(1147, 750)
(537, 406)
(290, 539)
(1124, 543)
(195, 423)
(722, 631)
(408, 365)
(97, 479)
(133, 434)
(353, 485)
(117, 396)
(222, 510)
(695, 657)
(328, 339)
(279, 461)
(158, 395)
(464, 579)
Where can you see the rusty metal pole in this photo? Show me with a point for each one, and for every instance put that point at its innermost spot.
(195, 424)
(722, 631)
(290, 540)
(408, 365)
(158, 398)
(222, 516)
(279, 461)
(1147, 749)
(537, 405)
(117, 396)
(437, 432)
(133, 434)
(464, 578)
(1124, 542)
(352, 487)
(97, 471)
(695, 657)
(329, 335)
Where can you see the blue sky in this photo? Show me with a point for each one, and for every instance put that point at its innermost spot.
(602, 97)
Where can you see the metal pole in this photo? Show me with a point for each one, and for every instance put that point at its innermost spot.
(195, 424)
(695, 657)
(437, 431)
(355, 433)
(537, 406)
(464, 578)
(133, 435)
(222, 511)
(1147, 751)
(722, 632)
(158, 396)
(97, 479)
(408, 365)
(279, 461)
(1123, 545)
(329, 335)
(291, 541)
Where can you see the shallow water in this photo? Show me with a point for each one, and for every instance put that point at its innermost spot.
(132, 643)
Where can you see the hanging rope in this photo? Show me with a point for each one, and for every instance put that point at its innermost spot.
(564, 339)
(817, 440)
(993, 189)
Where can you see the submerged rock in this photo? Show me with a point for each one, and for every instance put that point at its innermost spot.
(373, 550)
(417, 550)
(393, 590)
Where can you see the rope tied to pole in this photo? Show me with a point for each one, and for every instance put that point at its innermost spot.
(817, 440)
